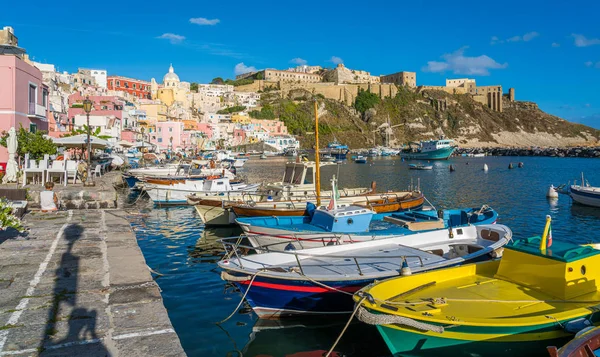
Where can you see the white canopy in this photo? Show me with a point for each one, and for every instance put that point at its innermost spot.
(146, 144)
(80, 140)
(125, 144)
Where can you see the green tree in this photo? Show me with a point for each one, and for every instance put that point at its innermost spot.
(194, 86)
(217, 80)
(234, 109)
(33, 143)
(259, 75)
(83, 130)
(366, 100)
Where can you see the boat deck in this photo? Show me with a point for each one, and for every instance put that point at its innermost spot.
(485, 299)
(377, 261)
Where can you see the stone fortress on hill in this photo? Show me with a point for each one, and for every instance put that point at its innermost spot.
(343, 84)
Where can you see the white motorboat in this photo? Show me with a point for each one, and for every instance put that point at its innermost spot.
(585, 194)
(314, 281)
(176, 194)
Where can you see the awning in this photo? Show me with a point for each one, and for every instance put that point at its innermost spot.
(80, 140)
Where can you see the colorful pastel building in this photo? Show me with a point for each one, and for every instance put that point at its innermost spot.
(135, 87)
(171, 129)
(23, 95)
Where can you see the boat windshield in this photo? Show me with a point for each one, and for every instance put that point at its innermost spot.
(289, 174)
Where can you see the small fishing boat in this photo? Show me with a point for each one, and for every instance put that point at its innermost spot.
(321, 280)
(585, 344)
(420, 167)
(327, 158)
(351, 224)
(360, 160)
(336, 150)
(585, 194)
(538, 294)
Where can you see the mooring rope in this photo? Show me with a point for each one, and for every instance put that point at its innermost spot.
(243, 297)
(384, 319)
(358, 305)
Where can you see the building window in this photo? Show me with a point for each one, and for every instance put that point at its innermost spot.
(32, 128)
(134, 86)
(160, 140)
(118, 83)
(159, 130)
(45, 97)
(170, 130)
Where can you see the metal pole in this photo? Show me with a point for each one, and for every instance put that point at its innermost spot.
(317, 168)
(89, 150)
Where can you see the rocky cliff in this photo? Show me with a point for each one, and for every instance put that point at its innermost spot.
(412, 116)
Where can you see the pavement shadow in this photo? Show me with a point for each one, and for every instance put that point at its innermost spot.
(81, 336)
(11, 233)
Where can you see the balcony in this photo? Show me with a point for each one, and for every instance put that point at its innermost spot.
(37, 111)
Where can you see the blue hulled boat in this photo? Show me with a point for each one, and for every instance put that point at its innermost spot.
(351, 224)
(429, 150)
(321, 280)
(336, 150)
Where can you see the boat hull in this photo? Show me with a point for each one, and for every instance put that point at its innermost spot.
(475, 340)
(242, 211)
(275, 298)
(215, 216)
(439, 154)
(585, 198)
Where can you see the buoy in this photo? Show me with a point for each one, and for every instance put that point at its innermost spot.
(405, 270)
(510, 166)
(452, 168)
(520, 165)
(552, 192)
(485, 167)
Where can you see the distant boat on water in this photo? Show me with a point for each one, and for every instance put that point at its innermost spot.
(360, 160)
(420, 167)
(336, 150)
(585, 194)
(429, 150)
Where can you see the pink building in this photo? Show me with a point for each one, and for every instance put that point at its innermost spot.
(102, 106)
(275, 127)
(130, 135)
(239, 136)
(23, 96)
(165, 130)
(206, 129)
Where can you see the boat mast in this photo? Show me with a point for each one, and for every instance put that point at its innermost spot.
(317, 168)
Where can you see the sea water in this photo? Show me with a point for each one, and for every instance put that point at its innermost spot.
(183, 254)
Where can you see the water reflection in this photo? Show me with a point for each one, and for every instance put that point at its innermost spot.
(313, 338)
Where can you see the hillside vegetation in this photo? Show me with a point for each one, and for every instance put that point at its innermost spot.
(416, 116)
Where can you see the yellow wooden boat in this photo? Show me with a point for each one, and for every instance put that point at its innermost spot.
(531, 298)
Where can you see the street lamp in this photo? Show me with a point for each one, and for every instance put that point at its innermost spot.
(87, 108)
(142, 129)
(171, 142)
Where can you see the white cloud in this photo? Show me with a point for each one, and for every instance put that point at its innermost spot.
(530, 36)
(202, 21)
(582, 41)
(589, 63)
(336, 60)
(525, 38)
(299, 61)
(241, 68)
(555, 44)
(458, 63)
(173, 38)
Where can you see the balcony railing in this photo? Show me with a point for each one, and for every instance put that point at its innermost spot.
(37, 111)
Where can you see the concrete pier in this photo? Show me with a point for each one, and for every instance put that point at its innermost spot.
(77, 285)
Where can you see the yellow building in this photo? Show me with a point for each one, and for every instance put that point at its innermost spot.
(240, 119)
(155, 111)
(172, 89)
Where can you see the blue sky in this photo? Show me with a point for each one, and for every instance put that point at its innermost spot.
(549, 51)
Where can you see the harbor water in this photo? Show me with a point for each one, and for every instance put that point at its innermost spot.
(183, 254)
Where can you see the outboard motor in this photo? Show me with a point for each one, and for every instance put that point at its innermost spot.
(440, 214)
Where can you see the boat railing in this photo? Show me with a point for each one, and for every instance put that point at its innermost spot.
(235, 247)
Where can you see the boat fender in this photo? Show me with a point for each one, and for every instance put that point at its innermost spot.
(520, 165)
(450, 233)
(577, 325)
(510, 166)
(405, 270)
